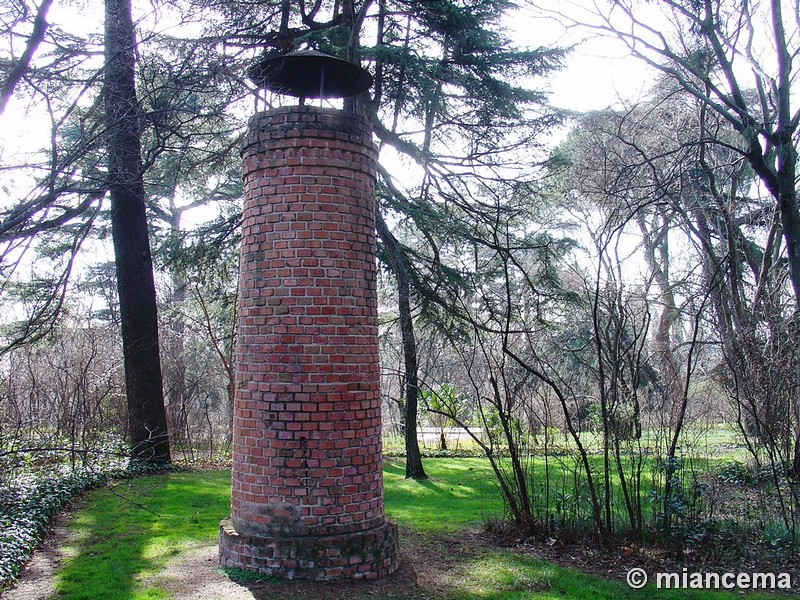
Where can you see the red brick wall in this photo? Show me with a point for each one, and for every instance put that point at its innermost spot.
(307, 423)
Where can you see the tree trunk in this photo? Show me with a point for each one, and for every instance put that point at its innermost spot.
(414, 468)
(174, 369)
(137, 297)
(790, 220)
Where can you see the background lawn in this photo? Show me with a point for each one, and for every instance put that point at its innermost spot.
(459, 492)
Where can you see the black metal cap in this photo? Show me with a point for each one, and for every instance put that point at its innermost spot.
(310, 74)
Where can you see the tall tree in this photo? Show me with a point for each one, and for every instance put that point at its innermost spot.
(22, 64)
(444, 67)
(177, 126)
(670, 167)
(739, 59)
(135, 282)
(397, 262)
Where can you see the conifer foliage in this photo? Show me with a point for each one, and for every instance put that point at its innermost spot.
(453, 96)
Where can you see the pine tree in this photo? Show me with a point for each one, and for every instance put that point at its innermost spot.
(147, 419)
(446, 96)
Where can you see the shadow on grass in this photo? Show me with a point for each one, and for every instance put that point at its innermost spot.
(443, 568)
(122, 546)
(119, 540)
(458, 493)
(401, 585)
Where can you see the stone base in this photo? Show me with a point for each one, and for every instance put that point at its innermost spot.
(368, 554)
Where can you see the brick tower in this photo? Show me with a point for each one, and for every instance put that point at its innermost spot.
(307, 498)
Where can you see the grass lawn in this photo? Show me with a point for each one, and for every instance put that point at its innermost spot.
(123, 538)
(463, 490)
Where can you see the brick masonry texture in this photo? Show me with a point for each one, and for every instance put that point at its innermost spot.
(307, 497)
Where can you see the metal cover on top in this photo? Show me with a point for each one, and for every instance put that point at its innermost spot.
(310, 74)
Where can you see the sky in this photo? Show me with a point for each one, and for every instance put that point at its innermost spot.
(597, 73)
(597, 76)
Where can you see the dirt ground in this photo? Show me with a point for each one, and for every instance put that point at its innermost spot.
(428, 570)
(432, 566)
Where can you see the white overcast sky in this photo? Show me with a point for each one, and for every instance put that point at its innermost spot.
(597, 74)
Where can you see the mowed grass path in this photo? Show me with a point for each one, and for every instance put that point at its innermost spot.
(123, 537)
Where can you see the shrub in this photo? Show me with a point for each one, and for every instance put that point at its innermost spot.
(735, 472)
(28, 503)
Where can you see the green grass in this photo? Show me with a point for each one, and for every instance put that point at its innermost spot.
(123, 539)
(715, 441)
(464, 489)
(503, 575)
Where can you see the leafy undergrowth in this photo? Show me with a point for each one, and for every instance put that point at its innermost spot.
(125, 539)
(28, 503)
